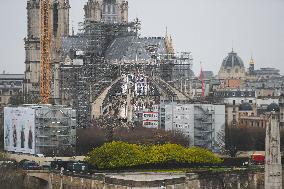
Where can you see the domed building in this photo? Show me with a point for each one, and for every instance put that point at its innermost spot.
(232, 67)
(245, 107)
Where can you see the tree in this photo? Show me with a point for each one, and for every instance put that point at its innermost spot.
(90, 138)
(245, 139)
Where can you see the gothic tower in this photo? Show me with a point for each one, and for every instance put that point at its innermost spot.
(107, 11)
(281, 106)
(60, 28)
(32, 49)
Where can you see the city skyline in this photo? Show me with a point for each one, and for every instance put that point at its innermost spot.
(208, 29)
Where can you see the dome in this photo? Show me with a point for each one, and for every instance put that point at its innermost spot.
(244, 107)
(273, 108)
(232, 60)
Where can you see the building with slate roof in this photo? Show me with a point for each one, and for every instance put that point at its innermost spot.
(232, 67)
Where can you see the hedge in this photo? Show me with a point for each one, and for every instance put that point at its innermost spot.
(118, 155)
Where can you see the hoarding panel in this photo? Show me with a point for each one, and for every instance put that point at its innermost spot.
(19, 130)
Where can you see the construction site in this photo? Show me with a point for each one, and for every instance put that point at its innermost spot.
(104, 70)
(82, 66)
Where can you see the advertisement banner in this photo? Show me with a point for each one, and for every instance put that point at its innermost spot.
(19, 130)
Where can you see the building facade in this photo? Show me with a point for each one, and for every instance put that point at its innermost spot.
(10, 85)
(233, 99)
(201, 123)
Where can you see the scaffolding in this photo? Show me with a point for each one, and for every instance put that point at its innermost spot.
(203, 126)
(81, 84)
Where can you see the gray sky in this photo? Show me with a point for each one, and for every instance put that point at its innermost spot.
(207, 28)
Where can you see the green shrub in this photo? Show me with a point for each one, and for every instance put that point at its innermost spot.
(167, 153)
(196, 155)
(117, 155)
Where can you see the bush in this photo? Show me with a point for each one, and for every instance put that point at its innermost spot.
(201, 156)
(117, 155)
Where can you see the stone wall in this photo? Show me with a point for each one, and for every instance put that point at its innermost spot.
(206, 180)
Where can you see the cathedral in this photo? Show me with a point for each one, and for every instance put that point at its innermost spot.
(96, 11)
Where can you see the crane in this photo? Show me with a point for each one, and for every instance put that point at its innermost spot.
(45, 48)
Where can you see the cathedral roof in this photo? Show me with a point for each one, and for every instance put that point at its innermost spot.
(232, 60)
(130, 48)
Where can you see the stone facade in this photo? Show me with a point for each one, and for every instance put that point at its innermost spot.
(10, 85)
(60, 28)
(273, 167)
(231, 180)
(107, 11)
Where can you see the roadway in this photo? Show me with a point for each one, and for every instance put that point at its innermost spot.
(42, 160)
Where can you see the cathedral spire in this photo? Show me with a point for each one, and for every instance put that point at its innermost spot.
(169, 43)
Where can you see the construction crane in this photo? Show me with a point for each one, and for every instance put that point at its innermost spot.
(45, 47)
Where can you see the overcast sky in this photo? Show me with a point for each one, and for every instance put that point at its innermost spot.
(207, 28)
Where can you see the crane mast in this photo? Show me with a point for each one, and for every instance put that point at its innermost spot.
(45, 47)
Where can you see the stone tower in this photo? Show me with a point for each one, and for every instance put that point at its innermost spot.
(32, 49)
(60, 28)
(107, 11)
(273, 167)
(281, 106)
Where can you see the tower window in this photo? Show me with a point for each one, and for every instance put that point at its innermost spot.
(113, 9)
(109, 9)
